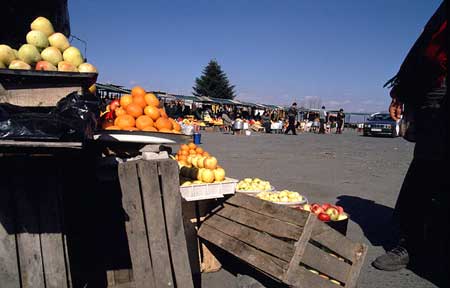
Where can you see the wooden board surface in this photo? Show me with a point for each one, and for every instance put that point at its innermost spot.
(261, 222)
(135, 226)
(154, 216)
(307, 279)
(270, 209)
(174, 221)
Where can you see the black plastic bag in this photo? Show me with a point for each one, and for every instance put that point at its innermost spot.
(73, 119)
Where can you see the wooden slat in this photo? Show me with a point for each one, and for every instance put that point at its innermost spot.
(174, 221)
(300, 247)
(28, 242)
(306, 279)
(9, 269)
(323, 262)
(261, 222)
(257, 239)
(154, 216)
(254, 257)
(335, 241)
(122, 276)
(52, 240)
(356, 267)
(135, 226)
(283, 213)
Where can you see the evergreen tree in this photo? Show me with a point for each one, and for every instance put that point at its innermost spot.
(213, 83)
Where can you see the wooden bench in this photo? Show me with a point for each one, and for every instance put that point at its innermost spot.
(289, 245)
(155, 231)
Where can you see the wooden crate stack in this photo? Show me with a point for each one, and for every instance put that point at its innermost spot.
(289, 245)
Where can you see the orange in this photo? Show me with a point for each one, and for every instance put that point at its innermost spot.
(184, 152)
(175, 124)
(144, 121)
(151, 100)
(184, 147)
(140, 101)
(150, 129)
(176, 158)
(192, 146)
(137, 91)
(192, 152)
(163, 113)
(112, 128)
(199, 150)
(125, 100)
(124, 121)
(153, 112)
(165, 130)
(206, 154)
(182, 157)
(176, 132)
(120, 111)
(163, 123)
(130, 128)
(134, 110)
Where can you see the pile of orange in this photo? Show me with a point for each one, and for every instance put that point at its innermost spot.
(140, 111)
(187, 150)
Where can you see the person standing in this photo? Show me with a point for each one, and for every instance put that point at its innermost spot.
(266, 121)
(419, 93)
(340, 121)
(322, 120)
(292, 115)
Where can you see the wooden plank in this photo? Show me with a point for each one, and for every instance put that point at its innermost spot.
(258, 259)
(307, 279)
(361, 253)
(280, 212)
(257, 239)
(52, 240)
(330, 238)
(9, 269)
(135, 226)
(174, 221)
(260, 222)
(300, 249)
(154, 216)
(122, 276)
(323, 262)
(110, 280)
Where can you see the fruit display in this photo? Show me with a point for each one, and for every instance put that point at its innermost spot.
(253, 185)
(45, 50)
(326, 212)
(284, 196)
(138, 111)
(198, 166)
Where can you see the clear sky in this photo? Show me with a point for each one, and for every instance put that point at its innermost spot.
(274, 52)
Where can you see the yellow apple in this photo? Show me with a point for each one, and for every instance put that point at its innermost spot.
(201, 162)
(200, 173)
(219, 174)
(207, 176)
(210, 163)
(42, 24)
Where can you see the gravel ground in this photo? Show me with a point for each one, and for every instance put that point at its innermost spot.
(363, 174)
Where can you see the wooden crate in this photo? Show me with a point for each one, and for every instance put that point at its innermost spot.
(289, 245)
(155, 230)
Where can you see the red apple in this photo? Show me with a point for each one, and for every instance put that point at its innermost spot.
(340, 209)
(114, 104)
(333, 213)
(323, 217)
(316, 208)
(325, 206)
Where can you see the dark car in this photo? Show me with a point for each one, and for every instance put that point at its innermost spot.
(381, 124)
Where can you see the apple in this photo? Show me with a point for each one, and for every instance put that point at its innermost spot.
(201, 162)
(342, 217)
(219, 174)
(207, 175)
(45, 66)
(325, 206)
(200, 174)
(66, 67)
(324, 217)
(333, 213)
(307, 207)
(114, 104)
(316, 209)
(339, 208)
(210, 163)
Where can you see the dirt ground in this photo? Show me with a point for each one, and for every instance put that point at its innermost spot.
(362, 174)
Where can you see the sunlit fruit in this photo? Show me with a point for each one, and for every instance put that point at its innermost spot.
(134, 110)
(165, 130)
(130, 128)
(19, 64)
(153, 112)
(45, 66)
(194, 160)
(138, 91)
(210, 163)
(151, 99)
(206, 154)
(176, 131)
(87, 68)
(184, 152)
(6, 54)
(65, 66)
(52, 55)
(199, 173)
(73, 56)
(199, 150)
(59, 40)
(184, 147)
(201, 162)
(163, 113)
(113, 127)
(207, 176)
(29, 54)
(182, 157)
(192, 146)
(42, 24)
(119, 111)
(163, 123)
(176, 126)
(150, 129)
(219, 174)
(125, 100)
(139, 99)
(143, 121)
(37, 39)
(192, 152)
(125, 121)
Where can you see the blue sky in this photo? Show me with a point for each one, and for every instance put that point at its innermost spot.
(274, 52)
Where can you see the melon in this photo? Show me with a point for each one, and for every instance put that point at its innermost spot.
(38, 39)
(29, 54)
(19, 64)
(87, 68)
(66, 67)
(59, 41)
(73, 55)
(42, 24)
(6, 54)
(52, 55)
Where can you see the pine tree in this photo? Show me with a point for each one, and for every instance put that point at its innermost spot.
(213, 83)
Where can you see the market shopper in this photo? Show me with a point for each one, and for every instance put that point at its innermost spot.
(419, 93)
(292, 115)
(340, 121)
(322, 120)
(265, 119)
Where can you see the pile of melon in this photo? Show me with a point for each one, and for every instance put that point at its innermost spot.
(139, 111)
(45, 50)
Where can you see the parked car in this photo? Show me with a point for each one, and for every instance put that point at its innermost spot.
(381, 124)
